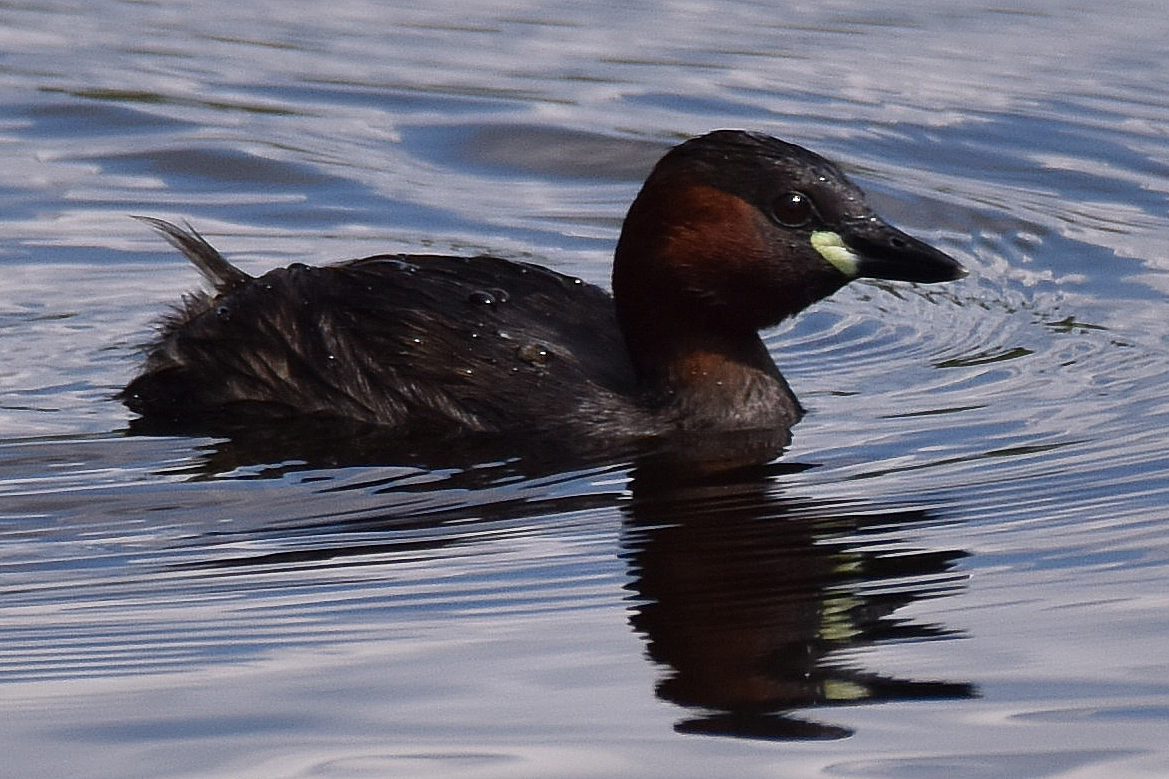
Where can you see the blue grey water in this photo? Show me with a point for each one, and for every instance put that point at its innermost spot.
(960, 567)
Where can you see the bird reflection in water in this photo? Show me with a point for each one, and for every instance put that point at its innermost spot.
(748, 602)
(748, 599)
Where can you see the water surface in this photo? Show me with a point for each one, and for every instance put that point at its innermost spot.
(958, 568)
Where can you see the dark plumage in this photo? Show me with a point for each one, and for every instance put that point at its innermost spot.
(731, 233)
(360, 340)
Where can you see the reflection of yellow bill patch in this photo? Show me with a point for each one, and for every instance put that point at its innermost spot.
(844, 690)
(831, 247)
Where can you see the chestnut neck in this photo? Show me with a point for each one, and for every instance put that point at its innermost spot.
(677, 283)
(670, 353)
(694, 354)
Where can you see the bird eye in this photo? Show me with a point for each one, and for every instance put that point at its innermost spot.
(793, 209)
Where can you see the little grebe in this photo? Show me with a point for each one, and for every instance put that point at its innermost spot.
(731, 233)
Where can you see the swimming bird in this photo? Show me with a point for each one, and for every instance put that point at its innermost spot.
(731, 233)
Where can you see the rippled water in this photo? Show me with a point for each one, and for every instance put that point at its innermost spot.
(958, 569)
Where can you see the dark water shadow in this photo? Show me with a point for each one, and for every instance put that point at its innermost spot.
(511, 150)
(752, 603)
(267, 449)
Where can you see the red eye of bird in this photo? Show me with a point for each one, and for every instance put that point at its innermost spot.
(792, 209)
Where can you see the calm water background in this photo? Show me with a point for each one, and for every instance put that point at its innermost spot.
(960, 568)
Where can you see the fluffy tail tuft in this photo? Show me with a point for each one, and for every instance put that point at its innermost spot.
(221, 273)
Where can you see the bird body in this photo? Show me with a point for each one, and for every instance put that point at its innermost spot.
(731, 233)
